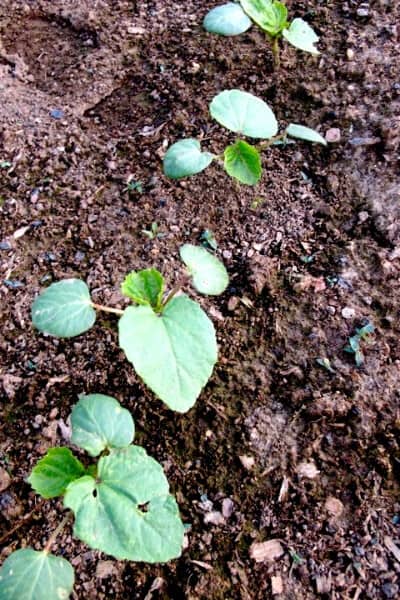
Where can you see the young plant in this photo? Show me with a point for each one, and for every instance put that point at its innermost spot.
(121, 504)
(354, 345)
(234, 18)
(244, 114)
(169, 339)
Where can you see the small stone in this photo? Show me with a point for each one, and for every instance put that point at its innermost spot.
(348, 313)
(363, 11)
(5, 479)
(214, 517)
(232, 303)
(276, 585)
(350, 53)
(333, 135)
(266, 551)
(363, 216)
(227, 254)
(334, 506)
(105, 568)
(307, 470)
(227, 507)
(247, 461)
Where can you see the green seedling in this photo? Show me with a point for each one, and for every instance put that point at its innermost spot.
(5, 164)
(134, 186)
(121, 504)
(168, 338)
(271, 16)
(247, 116)
(153, 232)
(354, 345)
(208, 240)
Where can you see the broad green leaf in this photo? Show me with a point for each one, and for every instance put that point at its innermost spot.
(243, 162)
(30, 575)
(228, 19)
(244, 113)
(64, 309)
(52, 474)
(127, 512)
(302, 36)
(144, 287)
(305, 133)
(173, 353)
(208, 273)
(185, 158)
(100, 422)
(270, 15)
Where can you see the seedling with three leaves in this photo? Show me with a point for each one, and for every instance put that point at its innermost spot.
(271, 16)
(245, 115)
(121, 504)
(168, 338)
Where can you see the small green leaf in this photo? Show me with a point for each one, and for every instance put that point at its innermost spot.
(185, 158)
(228, 19)
(209, 274)
(305, 133)
(301, 36)
(30, 575)
(173, 353)
(243, 162)
(100, 422)
(52, 474)
(64, 309)
(244, 113)
(270, 15)
(127, 512)
(144, 287)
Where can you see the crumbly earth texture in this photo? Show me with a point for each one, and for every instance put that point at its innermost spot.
(282, 446)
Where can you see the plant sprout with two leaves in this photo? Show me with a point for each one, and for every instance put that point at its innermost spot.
(248, 116)
(354, 345)
(271, 16)
(168, 338)
(121, 504)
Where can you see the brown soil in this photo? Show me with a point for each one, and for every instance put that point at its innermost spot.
(321, 449)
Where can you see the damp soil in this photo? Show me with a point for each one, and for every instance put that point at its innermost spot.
(281, 445)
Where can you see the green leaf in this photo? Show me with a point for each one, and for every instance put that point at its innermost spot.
(269, 15)
(243, 162)
(228, 19)
(244, 113)
(185, 158)
(144, 287)
(301, 36)
(52, 474)
(305, 133)
(64, 309)
(127, 512)
(100, 422)
(173, 353)
(208, 273)
(30, 575)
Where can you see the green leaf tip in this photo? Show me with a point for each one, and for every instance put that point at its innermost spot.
(64, 309)
(270, 15)
(108, 513)
(243, 162)
(244, 113)
(52, 474)
(227, 19)
(208, 272)
(29, 574)
(173, 353)
(302, 36)
(144, 287)
(185, 158)
(305, 133)
(99, 422)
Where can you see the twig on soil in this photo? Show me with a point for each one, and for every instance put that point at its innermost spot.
(22, 522)
(114, 311)
(57, 530)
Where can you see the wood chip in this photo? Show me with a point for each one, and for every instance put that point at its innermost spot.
(334, 506)
(266, 551)
(202, 564)
(276, 585)
(307, 470)
(391, 546)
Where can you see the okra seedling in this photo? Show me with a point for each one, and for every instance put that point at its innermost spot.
(168, 338)
(121, 504)
(354, 345)
(248, 116)
(271, 16)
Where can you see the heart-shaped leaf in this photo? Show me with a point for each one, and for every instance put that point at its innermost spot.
(243, 162)
(185, 158)
(302, 36)
(64, 309)
(228, 19)
(208, 273)
(305, 133)
(270, 15)
(30, 575)
(173, 353)
(144, 287)
(244, 113)
(99, 422)
(52, 474)
(127, 511)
